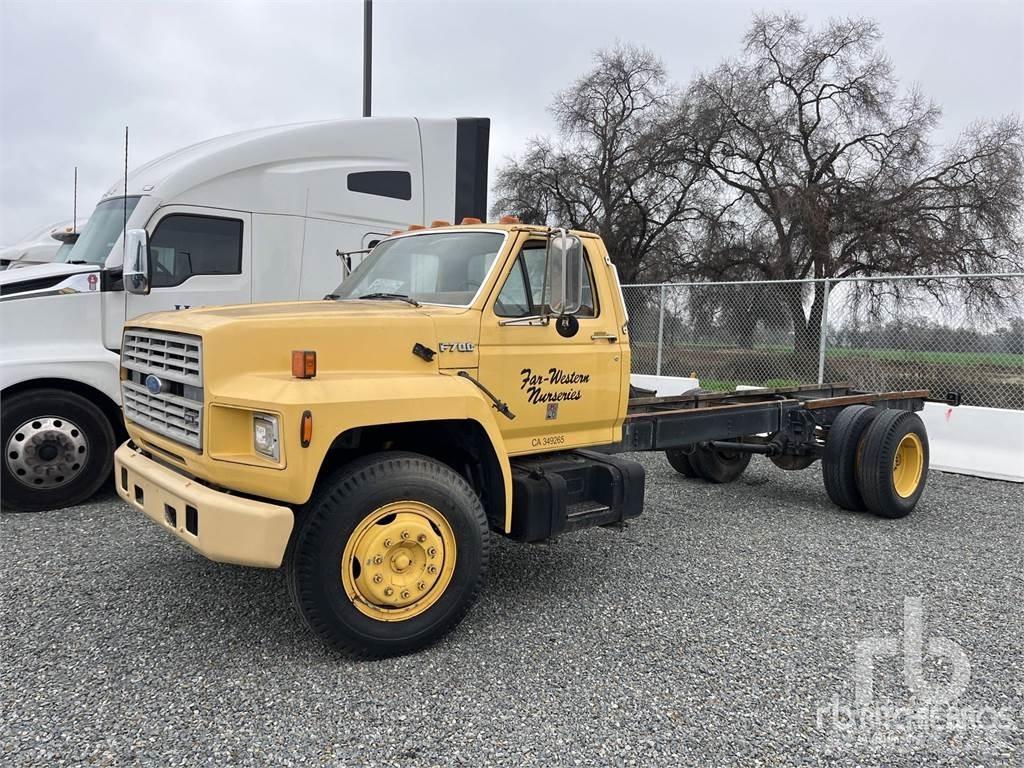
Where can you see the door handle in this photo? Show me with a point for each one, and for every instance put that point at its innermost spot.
(602, 336)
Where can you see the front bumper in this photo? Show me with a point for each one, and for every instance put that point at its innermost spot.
(221, 527)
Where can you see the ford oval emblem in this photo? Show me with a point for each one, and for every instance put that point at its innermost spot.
(154, 384)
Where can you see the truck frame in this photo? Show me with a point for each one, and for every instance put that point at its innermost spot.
(463, 381)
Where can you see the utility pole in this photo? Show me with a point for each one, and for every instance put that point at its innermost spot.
(367, 54)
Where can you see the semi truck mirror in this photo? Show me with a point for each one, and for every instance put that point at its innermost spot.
(564, 273)
(136, 262)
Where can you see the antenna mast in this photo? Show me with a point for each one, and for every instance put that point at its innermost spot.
(124, 226)
(367, 54)
(74, 205)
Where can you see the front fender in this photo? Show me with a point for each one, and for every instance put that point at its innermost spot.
(338, 403)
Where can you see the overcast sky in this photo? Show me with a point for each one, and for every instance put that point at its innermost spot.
(73, 74)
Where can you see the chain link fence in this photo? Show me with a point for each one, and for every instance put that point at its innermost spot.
(945, 333)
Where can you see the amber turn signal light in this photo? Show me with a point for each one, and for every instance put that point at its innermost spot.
(508, 220)
(471, 220)
(306, 433)
(303, 363)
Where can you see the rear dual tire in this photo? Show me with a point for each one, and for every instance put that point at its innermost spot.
(711, 464)
(876, 460)
(892, 463)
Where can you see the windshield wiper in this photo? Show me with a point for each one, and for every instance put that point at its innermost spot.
(398, 296)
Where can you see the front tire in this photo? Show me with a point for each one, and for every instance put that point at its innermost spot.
(389, 555)
(58, 450)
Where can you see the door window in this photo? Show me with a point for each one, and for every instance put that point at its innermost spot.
(184, 245)
(521, 294)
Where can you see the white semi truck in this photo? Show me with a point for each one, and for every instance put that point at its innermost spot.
(51, 243)
(251, 217)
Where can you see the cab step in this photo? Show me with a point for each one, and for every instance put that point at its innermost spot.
(568, 491)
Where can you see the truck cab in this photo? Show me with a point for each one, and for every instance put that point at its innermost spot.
(258, 216)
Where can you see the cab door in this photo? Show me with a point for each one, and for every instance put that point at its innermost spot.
(198, 257)
(563, 390)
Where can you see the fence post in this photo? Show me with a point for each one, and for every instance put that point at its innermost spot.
(661, 330)
(823, 336)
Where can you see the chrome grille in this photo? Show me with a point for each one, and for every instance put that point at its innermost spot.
(176, 360)
(171, 356)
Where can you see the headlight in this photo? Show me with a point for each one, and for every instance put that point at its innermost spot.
(264, 435)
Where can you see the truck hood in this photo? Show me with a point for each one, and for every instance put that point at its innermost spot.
(41, 277)
(347, 336)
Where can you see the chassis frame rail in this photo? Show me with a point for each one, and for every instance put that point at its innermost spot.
(794, 419)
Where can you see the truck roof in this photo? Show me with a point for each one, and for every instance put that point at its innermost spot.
(489, 227)
(291, 169)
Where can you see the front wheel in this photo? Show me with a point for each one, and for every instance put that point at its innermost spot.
(58, 450)
(389, 555)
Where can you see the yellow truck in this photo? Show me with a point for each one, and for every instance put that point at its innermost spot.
(461, 381)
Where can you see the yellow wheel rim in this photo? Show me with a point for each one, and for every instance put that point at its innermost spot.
(908, 465)
(398, 561)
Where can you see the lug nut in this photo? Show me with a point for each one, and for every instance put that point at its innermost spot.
(378, 560)
(421, 585)
(421, 538)
(432, 551)
(405, 534)
(378, 579)
(405, 594)
(388, 591)
(387, 542)
(431, 569)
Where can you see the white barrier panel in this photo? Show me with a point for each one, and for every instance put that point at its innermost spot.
(665, 386)
(967, 440)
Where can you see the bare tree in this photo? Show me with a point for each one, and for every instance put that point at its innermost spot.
(623, 166)
(826, 170)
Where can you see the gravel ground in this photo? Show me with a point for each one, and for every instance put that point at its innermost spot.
(719, 628)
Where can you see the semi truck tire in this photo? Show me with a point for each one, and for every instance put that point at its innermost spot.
(58, 450)
(389, 555)
(839, 460)
(719, 466)
(892, 463)
(679, 458)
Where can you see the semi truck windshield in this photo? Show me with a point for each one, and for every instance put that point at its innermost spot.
(432, 268)
(100, 234)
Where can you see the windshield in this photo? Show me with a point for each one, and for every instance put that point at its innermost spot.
(100, 234)
(436, 268)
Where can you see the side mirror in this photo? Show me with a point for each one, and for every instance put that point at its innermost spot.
(564, 273)
(136, 262)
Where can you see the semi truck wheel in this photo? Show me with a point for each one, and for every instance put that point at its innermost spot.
(892, 463)
(389, 555)
(679, 458)
(838, 463)
(719, 466)
(58, 450)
